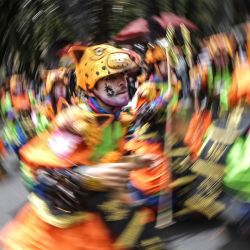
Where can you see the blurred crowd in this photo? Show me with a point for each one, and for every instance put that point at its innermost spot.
(187, 119)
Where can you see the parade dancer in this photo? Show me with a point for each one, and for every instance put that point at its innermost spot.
(78, 172)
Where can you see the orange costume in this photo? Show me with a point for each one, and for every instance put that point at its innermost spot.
(65, 210)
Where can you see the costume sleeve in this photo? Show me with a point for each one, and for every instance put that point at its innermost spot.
(62, 190)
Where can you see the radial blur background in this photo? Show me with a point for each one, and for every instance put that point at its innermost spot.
(29, 27)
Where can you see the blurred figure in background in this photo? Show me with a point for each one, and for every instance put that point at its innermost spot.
(56, 97)
(16, 109)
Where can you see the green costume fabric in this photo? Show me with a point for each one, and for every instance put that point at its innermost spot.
(42, 123)
(111, 137)
(10, 134)
(6, 104)
(220, 83)
(237, 172)
(226, 80)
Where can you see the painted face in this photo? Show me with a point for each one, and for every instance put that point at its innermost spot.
(60, 90)
(112, 90)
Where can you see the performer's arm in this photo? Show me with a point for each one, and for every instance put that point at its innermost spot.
(76, 189)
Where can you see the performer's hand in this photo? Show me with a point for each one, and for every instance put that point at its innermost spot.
(141, 161)
(108, 175)
(116, 175)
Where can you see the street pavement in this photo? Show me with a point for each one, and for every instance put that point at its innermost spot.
(12, 191)
(195, 234)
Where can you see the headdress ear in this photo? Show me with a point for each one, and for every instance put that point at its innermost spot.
(104, 119)
(76, 53)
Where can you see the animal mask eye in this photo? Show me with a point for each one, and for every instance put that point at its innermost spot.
(99, 51)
